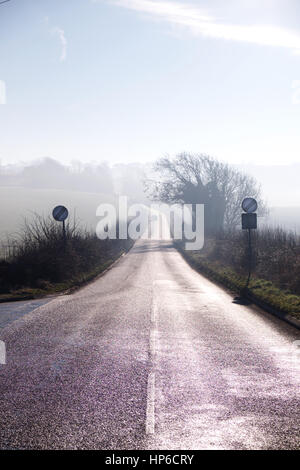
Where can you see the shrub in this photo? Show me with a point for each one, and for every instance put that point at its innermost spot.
(276, 255)
(43, 257)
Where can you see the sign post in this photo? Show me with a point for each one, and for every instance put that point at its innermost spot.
(60, 214)
(249, 222)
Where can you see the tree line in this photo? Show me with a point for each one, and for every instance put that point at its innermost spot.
(95, 177)
(184, 179)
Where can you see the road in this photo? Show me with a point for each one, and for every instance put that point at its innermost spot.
(11, 311)
(150, 356)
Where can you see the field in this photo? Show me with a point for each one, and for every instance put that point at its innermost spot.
(18, 203)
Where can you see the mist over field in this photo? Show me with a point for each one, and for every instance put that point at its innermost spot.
(45, 183)
(40, 186)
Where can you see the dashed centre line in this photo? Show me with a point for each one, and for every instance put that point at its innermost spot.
(150, 413)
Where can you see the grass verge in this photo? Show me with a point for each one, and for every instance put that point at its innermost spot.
(45, 263)
(261, 291)
(66, 287)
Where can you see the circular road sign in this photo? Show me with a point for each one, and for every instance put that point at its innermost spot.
(249, 205)
(60, 213)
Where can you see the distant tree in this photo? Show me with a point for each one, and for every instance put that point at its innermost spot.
(51, 174)
(92, 177)
(201, 179)
(46, 173)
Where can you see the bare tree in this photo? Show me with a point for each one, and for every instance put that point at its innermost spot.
(201, 179)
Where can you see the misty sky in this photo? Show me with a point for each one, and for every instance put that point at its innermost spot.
(132, 80)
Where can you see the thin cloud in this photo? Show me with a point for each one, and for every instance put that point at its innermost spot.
(201, 24)
(61, 35)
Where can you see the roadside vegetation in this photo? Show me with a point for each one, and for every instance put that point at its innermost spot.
(43, 262)
(201, 179)
(275, 279)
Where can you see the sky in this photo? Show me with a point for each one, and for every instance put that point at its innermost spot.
(134, 80)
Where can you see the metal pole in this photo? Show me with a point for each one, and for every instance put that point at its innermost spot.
(250, 257)
(64, 232)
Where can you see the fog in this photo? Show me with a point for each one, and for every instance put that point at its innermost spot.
(45, 183)
(280, 183)
(39, 186)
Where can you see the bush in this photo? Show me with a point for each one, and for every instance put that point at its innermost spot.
(276, 255)
(43, 257)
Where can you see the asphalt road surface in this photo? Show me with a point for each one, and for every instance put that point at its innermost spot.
(150, 356)
(11, 311)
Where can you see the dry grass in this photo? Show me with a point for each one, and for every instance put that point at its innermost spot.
(276, 255)
(276, 266)
(44, 262)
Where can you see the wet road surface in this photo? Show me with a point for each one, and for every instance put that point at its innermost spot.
(150, 356)
(11, 311)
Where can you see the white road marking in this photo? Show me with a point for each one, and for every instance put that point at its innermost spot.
(152, 345)
(154, 313)
(150, 414)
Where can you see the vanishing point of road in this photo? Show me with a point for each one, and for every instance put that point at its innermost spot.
(151, 355)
